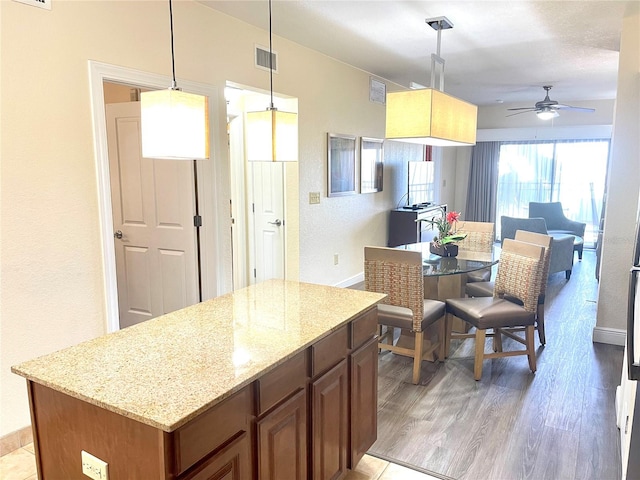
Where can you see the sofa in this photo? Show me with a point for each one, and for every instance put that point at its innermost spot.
(561, 249)
(557, 223)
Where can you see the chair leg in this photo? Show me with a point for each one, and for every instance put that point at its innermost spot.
(540, 324)
(567, 274)
(477, 364)
(497, 340)
(580, 252)
(531, 353)
(448, 322)
(417, 356)
(442, 334)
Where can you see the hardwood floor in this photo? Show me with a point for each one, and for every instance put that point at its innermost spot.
(557, 424)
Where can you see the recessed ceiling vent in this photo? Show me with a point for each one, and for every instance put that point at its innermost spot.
(262, 59)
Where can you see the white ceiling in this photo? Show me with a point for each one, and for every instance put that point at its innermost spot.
(498, 51)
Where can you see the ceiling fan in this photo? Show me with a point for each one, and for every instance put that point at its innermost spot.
(547, 108)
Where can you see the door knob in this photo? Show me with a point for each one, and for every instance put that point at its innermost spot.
(277, 223)
(117, 234)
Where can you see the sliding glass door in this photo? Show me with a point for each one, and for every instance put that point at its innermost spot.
(571, 172)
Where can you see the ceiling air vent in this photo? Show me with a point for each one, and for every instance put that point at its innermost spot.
(262, 58)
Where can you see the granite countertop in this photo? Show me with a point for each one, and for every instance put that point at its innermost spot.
(166, 371)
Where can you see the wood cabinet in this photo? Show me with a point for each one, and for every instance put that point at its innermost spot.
(233, 462)
(329, 420)
(282, 440)
(309, 418)
(404, 227)
(363, 365)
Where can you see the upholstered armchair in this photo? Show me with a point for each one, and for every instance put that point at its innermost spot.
(556, 221)
(562, 251)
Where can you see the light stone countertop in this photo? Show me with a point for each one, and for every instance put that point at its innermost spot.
(166, 371)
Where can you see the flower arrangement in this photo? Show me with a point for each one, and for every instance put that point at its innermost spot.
(446, 226)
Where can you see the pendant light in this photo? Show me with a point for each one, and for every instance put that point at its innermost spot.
(174, 124)
(272, 135)
(429, 116)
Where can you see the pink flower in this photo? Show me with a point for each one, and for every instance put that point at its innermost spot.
(453, 217)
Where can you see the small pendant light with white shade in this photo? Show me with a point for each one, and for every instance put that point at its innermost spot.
(272, 135)
(174, 124)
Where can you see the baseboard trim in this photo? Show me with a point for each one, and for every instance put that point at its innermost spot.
(349, 282)
(611, 336)
(15, 440)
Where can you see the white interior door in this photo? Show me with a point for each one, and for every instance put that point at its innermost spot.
(268, 239)
(153, 203)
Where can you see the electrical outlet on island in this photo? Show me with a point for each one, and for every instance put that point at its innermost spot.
(93, 467)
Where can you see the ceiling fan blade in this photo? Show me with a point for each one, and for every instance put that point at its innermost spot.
(522, 108)
(577, 109)
(518, 113)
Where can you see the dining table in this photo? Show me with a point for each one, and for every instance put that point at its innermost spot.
(445, 277)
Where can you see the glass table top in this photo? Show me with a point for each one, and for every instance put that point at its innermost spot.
(466, 261)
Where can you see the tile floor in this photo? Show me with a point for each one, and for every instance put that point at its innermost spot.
(20, 465)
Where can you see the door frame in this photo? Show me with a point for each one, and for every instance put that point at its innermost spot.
(212, 271)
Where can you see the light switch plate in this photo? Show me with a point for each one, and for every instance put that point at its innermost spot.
(46, 4)
(314, 197)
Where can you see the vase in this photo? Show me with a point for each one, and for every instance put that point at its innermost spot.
(446, 250)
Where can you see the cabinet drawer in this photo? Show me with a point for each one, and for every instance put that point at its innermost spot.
(281, 382)
(364, 328)
(211, 429)
(329, 351)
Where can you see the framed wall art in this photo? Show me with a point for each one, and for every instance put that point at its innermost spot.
(341, 165)
(371, 164)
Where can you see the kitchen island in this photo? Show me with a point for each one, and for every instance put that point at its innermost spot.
(274, 381)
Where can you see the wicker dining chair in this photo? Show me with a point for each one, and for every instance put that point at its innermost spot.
(398, 273)
(480, 238)
(519, 277)
(485, 289)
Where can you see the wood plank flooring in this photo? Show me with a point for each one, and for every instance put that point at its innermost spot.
(557, 424)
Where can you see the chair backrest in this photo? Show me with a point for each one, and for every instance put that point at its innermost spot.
(519, 272)
(509, 225)
(480, 235)
(397, 273)
(551, 211)
(545, 241)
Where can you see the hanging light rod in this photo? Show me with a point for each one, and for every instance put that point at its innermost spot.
(174, 124)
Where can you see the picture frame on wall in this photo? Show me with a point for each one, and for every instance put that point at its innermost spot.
(371, 164)
(341, 165)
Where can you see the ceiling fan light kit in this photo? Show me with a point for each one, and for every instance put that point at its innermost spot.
(272, 135)
(174, 124)
(429, 116)
(547, 113)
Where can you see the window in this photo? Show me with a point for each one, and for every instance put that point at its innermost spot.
(572, 172)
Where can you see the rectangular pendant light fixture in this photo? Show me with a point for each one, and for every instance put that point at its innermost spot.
(430, 117)
(175, 125)
(272, 136)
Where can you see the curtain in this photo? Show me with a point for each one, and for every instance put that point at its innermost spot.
(483, 183)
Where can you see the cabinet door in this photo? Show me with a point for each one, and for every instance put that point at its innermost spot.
(329, 423)
(364, 400)
(282, 441)
(232, 463)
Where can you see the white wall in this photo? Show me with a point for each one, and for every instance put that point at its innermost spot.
(53, 289)
(624, 184)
